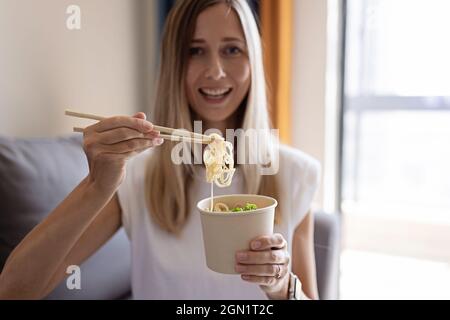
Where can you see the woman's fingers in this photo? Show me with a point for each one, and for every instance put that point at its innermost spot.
(131, 145)
(266, 270)
(266, 263)
(140, 115)
(261, 280)
(131, 153)
(138, 124)
(122, 134)
(111, 141)
(276, 241)
(262, 257)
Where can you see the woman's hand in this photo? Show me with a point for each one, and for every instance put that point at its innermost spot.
(110, 142)
(266, 264)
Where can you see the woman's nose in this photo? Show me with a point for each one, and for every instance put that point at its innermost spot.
(215, 70)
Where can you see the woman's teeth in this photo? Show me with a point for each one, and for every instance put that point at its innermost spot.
(215, 93)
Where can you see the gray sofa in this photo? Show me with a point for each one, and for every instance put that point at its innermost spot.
(36, 174)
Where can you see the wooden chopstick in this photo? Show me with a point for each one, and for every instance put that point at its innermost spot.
(83, 115)
(159, 128)
(164, 136)
(175, 134)
(182, 138)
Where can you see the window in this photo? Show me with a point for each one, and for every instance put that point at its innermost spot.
(396, 109)
(396, 133)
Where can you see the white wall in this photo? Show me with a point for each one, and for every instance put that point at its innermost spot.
(45, 68)
(314, 95)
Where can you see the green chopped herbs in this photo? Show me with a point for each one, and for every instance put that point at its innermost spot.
(247, 207)
(250, 206)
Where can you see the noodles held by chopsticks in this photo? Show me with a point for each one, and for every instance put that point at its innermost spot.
(219, 161)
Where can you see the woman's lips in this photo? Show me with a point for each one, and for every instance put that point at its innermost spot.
(215, 96)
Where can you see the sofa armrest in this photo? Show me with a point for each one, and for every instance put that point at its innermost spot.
(327, 251)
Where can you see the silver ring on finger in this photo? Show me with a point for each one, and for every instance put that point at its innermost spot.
(278, 273)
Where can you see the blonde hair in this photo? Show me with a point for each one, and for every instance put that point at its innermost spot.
(167, 183)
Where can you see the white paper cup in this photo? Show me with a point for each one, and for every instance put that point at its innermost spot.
(225, 233)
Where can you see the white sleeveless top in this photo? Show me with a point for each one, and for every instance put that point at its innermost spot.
(169, 267)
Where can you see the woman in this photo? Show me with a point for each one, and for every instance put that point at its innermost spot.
(212, 71)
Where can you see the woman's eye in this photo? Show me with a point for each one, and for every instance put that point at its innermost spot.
(233, 50)
(195, 51)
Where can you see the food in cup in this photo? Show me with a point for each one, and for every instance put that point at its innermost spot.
(225, 233)
(222, 207)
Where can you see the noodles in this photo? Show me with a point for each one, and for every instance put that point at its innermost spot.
(219, 161)
(221, 207)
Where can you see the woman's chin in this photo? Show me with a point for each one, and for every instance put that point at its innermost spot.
(215, 114)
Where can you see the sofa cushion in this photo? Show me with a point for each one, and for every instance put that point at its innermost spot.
(35, 176)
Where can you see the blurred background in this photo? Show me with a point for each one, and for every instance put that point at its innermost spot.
(361, 85)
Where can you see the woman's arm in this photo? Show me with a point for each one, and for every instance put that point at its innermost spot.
(70, 233)
(303, 257)
(36, 264)
(104, 226)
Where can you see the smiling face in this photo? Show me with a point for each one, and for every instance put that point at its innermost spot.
(218, 69)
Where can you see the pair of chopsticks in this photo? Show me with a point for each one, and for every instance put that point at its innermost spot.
(175, 134)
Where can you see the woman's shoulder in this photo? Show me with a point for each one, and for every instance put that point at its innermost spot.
(299, 175)
(298, 161)
(298, 169)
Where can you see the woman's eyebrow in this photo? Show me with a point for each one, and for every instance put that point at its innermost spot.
(226, 39)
